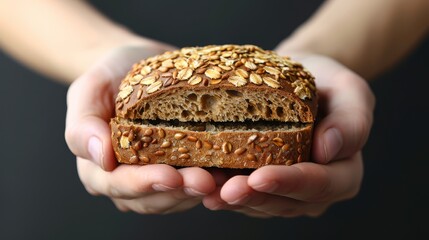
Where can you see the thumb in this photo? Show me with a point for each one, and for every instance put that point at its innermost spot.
(348, 104)
(89, 109)
(346, 110)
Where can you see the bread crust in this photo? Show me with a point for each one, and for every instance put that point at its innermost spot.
(140, 144)
(148, 80)
(156, 87)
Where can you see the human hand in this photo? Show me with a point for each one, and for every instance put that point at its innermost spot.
(143, 189)
(345, 117)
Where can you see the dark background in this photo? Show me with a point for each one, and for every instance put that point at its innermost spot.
(41, 196)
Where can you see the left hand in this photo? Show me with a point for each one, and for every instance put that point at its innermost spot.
(289, 191)
(335, 174)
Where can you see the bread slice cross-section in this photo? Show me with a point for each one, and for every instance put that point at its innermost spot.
(226, 106)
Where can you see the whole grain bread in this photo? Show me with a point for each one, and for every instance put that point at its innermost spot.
(230, 106)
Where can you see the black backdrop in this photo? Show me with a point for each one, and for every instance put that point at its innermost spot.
(41, 196)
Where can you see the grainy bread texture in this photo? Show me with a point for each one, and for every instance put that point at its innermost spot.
(228, 106)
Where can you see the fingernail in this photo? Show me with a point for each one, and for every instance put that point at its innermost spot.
(161, 187)
(333, 142)
(95, 150)
(193, 192)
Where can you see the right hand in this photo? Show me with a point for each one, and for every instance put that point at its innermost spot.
(144, 189)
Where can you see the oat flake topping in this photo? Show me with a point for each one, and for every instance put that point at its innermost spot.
(237, 65)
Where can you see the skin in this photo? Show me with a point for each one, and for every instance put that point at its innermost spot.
(342, 62)
(143, 189)
(310, 188)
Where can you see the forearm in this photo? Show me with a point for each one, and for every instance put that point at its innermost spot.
(59, 39)
(367, 36)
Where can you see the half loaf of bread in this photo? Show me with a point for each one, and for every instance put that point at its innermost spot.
(227, 106)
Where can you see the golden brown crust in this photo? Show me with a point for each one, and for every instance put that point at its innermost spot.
(216, 67)
(138, 144)
(264, 87)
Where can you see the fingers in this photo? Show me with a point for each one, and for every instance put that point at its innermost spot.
(275, 205)
(271, 204)
(128, 181)
(289, 191)
(311, 182)
(346, 110)
(150, 189)
(197, 181)
(345, 128)
(221, 175)
(214, 201)
(241, 198)
(158, 203)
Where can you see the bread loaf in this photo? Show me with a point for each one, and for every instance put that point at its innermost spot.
(227, 106)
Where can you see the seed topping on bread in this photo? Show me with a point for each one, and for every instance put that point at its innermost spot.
(237, 65)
